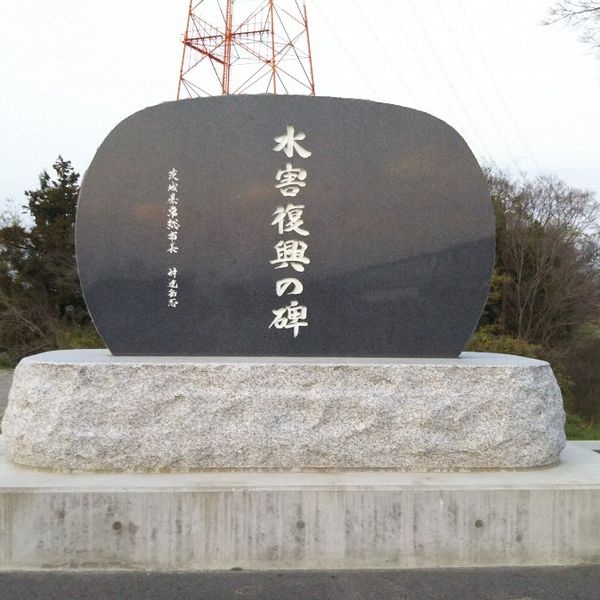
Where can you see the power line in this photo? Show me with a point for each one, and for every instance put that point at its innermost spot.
(477, 88)
(385, 52)
(398, 21)
(496, 86)
(334, 34)
(448, 80)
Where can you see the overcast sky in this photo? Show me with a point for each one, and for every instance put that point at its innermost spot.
(526, 97)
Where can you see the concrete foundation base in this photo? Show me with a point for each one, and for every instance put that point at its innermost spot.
(302, 520)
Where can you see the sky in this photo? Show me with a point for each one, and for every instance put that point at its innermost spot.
(524, 96)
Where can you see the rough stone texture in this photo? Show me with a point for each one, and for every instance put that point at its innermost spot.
(89, 410)
(301, 520)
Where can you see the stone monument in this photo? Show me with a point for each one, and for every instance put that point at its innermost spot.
(352, 235)
(285, 286)
(284, 226)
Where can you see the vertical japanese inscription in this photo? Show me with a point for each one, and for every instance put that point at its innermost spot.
(172, 237)
(291, 249)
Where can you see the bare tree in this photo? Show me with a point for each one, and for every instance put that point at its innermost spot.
(549, 256)
(583, 14)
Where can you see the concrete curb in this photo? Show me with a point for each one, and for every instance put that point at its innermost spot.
(304, 520)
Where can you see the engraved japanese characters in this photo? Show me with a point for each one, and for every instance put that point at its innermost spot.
(172, 235)
(290, 252)
(284, 226)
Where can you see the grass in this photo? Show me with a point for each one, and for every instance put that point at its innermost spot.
(578, 429)
(5, 362)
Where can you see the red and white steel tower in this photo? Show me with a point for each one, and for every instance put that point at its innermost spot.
(246, 46)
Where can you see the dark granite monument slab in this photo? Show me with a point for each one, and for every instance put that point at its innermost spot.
(284, 226)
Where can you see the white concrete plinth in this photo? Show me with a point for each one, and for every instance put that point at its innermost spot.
(304, 520)
(90, 410)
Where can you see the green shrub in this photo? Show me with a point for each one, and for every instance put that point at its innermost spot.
(487, 339)
(582, 359)
(78, 336)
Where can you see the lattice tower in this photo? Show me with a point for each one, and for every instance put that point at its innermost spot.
(246, 46)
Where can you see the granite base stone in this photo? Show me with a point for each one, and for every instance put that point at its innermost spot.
(89, 410)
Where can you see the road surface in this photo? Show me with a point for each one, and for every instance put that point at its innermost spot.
(548, 583)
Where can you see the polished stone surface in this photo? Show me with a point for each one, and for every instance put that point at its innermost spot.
(396, 219)
(86, 409)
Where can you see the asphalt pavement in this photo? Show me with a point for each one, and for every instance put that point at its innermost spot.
(548, 583)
